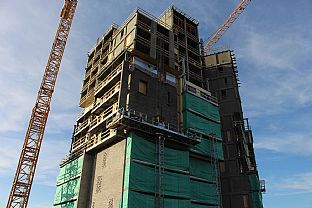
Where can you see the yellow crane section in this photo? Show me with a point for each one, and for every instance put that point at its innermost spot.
(226, 25)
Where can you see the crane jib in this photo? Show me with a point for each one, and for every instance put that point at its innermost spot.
(216, 36)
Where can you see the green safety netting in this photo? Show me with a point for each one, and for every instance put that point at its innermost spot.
(142, 149)
(68, 182)
(125, 193)
(256, 194)
(199, 105)
(254, 182)
(67, 191)
(180, 203)
(209, 125)
(257, 200)
(193, 205)
(143, 179)
(67, 205)
(70, 170)
(206, 147)
(201, 124)
(202, 169)
(204, 192)
(140, 200)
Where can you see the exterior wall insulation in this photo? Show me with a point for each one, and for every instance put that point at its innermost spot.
(108, 176)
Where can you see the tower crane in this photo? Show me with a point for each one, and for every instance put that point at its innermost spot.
(215, 37)
(26, 167)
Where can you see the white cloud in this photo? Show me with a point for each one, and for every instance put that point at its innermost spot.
(290, 185)
(278, 50)
(274, 69)
(9, 155)
(300, 182)
(24, 53)
(298, 144)
(52, 151)
(45, 205)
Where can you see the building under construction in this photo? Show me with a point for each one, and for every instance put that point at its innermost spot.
(162, 124)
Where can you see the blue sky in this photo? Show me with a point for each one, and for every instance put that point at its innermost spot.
(272, 41)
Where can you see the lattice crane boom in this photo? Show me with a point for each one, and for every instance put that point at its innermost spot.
(26, 167)
(226, 25)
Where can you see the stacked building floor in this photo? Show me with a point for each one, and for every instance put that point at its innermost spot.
(154, 131)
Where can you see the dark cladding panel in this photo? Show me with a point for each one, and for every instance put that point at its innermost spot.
(238, 184)
(160, 98)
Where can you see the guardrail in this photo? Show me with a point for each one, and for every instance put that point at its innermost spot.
(194, 50)
(103, 116)
(194, 62)
(153, 18)
(142, 117)
(109, 77)
(87, 95)
(143, 25)
(200, 92)
(81, 126)
(107, 95)
(80, 141)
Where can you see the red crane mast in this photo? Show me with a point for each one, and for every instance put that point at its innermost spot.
(26, 167)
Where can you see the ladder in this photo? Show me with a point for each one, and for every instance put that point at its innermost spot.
(215, 172)
(159, 171)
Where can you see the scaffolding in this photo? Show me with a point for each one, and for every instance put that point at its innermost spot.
(216, 164)
(243, 139)
(135, 120)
